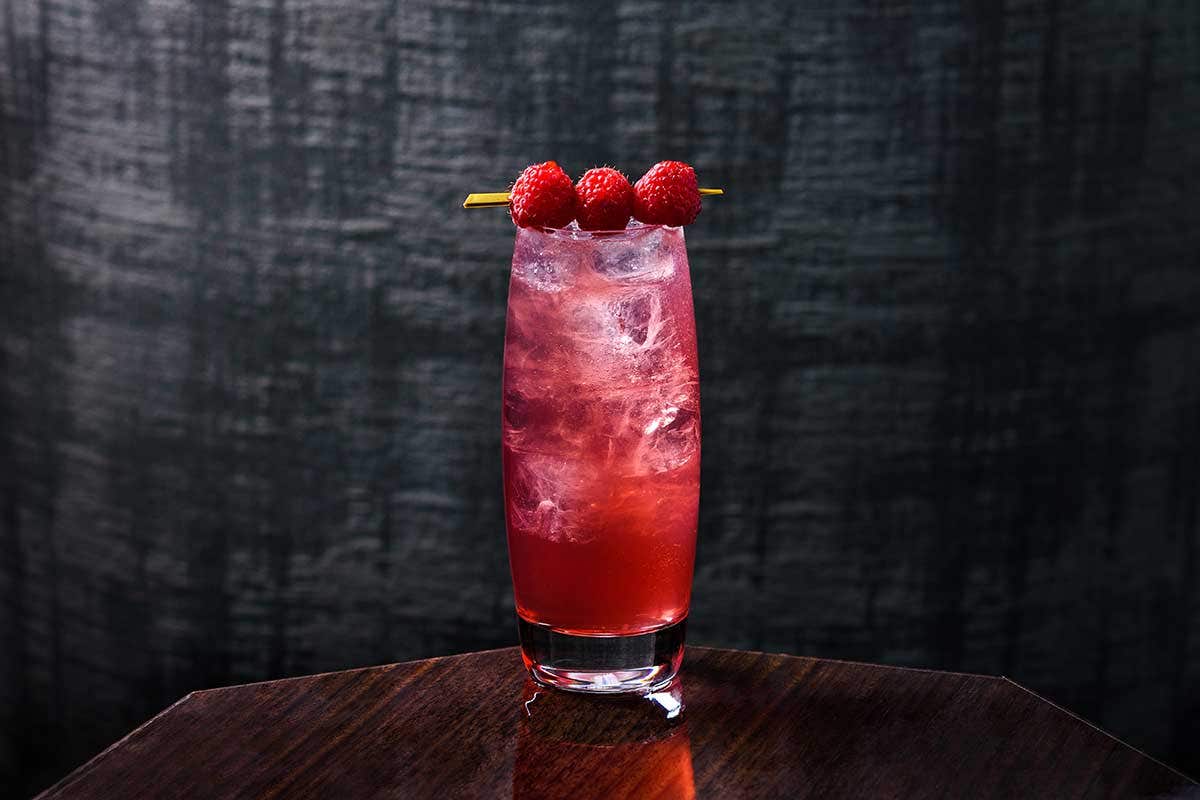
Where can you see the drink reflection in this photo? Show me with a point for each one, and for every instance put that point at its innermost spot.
(574, 746)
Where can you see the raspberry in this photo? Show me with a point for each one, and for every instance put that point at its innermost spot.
(605, 200)
(543, 196)
(667, 195)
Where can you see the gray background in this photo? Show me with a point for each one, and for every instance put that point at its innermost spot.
(250, 346)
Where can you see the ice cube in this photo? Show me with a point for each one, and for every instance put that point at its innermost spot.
(637, 258)
(633, 317)
(621, 324)
(546, 263)
(670, 439)
(545, 498)
(534, 511)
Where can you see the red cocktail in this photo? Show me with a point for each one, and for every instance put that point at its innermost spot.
(601, 453)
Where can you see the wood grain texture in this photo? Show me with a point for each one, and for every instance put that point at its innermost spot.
(949, 320)
(752, 726)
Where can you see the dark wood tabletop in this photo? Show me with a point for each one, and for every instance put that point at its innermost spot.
(735, 725)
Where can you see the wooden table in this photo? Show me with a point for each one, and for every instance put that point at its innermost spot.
(751, 725)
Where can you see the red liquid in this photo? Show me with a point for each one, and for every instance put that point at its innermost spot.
(601, 430)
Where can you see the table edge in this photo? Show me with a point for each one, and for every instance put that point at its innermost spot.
(86, 766)
(1098, 729)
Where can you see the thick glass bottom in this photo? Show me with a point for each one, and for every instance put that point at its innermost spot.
(643, 662)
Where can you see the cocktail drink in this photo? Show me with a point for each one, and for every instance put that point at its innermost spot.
(601, 453)
(601, 423)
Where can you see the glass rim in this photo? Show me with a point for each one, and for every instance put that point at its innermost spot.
(576, 234)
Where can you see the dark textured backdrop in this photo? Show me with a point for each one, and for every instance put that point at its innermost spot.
(250, 346)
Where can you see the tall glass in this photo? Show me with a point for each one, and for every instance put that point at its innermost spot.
(601, 435)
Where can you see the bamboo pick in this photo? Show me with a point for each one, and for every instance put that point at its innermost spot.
(497, 199)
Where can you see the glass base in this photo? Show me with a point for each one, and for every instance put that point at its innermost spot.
(644, 662)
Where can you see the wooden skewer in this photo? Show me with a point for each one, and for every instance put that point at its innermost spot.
(496, 199)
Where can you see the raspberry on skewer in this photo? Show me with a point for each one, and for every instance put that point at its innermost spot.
(667, 195)
(543, 195)
(605, 200)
